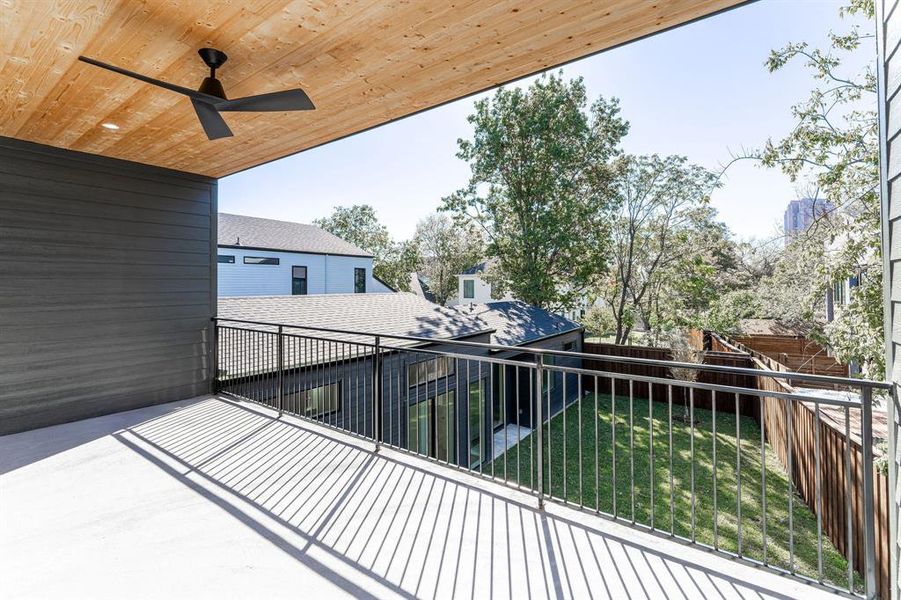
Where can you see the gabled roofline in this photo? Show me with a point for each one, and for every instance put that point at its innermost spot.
(242, 247)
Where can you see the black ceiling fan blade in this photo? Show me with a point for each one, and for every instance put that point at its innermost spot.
(295, 99)
(193, 94)
(213, 123)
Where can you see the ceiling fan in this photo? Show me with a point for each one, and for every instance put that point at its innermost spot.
(209, 99)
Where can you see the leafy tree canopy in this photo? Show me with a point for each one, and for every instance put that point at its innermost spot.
(541, 187)
(358, 224)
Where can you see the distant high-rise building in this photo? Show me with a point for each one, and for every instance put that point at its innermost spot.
(801, 214)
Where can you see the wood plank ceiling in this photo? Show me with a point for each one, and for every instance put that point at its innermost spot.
(363, 63)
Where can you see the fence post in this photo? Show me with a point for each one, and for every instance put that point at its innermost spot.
(869, 530)
(539, 382)
(280, 379)
(377, 392)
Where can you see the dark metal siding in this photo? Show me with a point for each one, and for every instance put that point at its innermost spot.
(107, 285)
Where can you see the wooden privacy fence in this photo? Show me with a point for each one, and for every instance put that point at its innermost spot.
(840, 487)
(748, 405)
(834, 481)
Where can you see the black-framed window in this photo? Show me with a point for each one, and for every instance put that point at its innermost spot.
(359, 280)
(226, 259)
(299, 281)
(317, 402)
(260, 260)
(431, 429)
(429, 370)
(469, 288)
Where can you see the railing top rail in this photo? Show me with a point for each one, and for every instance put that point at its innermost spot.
(827, 379)
(711, 387)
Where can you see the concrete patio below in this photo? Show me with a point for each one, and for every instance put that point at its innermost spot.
(211, 498)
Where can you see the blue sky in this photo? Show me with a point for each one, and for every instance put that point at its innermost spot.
(700, 90)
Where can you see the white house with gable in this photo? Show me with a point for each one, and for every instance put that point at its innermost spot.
(265, 257)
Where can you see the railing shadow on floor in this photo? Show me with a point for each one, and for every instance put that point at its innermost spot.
(404, 527)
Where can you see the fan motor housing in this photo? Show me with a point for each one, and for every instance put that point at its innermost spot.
(213, 87)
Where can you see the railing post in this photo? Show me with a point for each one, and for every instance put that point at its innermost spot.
(214, 385)
(869, 530)
(539, 382)
(281, 372)
(377, 392)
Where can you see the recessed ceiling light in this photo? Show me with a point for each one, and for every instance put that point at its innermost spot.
(110, 126)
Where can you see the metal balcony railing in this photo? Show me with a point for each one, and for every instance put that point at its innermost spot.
(721, 466)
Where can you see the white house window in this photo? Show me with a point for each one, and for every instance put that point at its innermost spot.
(299, 281)
(260, 260)
(469, 288)
(228, 259)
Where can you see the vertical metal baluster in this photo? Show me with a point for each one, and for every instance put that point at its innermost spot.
(564, 443)
(549, 375)
(518, 431)
(407, 403)
(716, 516)
(672, 501)
(869, 524)
(597, 460)
(481, 423)
(241, 349)
(691, 417)
(613, 436)
(532, 416)
(539, 374)
(447, 407)
(491, 417)
(819, 493)
(848, 500)
(280, 379)
(763, 474)
(738, 470)
(789, 433)
(468, 437)
(457, 397)
(632, 448)
(502, 369)
(579, 400)
(652, 465)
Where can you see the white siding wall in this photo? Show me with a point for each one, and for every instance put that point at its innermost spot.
(480, 286)
(326, 274)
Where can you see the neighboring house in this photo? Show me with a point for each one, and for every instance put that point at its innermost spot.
(473, 288)
(420, 286)
(265, 257)
(486, 412)
(801, 214)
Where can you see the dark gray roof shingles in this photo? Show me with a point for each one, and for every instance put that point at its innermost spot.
(269, 234)
(517, 323)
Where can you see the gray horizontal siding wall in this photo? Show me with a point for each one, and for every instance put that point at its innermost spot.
(888, 14)
(107, 285)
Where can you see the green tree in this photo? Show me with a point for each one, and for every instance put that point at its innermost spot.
(834, 149)
(664, 240)
(358, 224)
(447, 247)
(540, 189)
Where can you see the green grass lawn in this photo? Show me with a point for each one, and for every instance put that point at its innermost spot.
(602, 488)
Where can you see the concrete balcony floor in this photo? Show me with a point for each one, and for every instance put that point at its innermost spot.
(210, 498)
